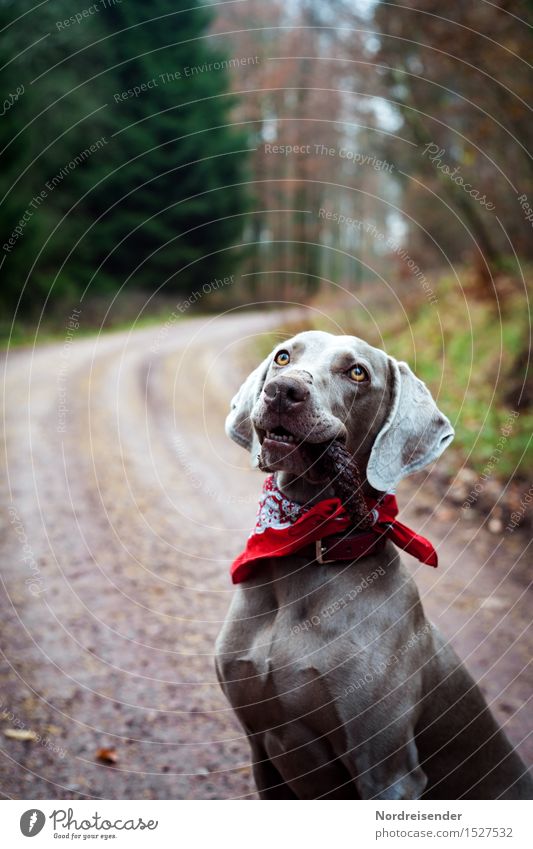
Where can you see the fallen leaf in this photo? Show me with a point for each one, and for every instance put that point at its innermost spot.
(108, 756)
(494, 603)
(19, 734)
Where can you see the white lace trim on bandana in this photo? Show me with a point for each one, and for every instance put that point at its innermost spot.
(275, 509)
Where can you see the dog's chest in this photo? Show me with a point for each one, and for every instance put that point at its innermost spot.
(269, 666)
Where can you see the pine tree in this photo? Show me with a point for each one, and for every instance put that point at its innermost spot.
(41, 135)
(135, 139)
(16, 222)
(169, 204)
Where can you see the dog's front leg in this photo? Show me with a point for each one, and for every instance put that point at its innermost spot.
(388, 769)
(380, 749)
(269, 783)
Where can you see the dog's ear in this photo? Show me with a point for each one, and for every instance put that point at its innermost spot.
(414, 433)
(238, 422)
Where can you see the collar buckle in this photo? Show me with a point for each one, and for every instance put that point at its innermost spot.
(320, 550)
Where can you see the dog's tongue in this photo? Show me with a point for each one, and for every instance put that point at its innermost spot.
(334, 463)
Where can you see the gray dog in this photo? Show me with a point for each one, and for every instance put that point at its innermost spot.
(343, 687)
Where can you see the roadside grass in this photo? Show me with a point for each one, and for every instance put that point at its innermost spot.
(98, 315)
(25, 336)
(466, 350)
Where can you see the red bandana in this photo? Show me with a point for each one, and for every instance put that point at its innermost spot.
(283, 527)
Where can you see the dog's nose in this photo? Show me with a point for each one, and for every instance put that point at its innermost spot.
(286, 394)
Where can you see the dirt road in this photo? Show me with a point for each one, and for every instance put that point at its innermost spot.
(123, 505)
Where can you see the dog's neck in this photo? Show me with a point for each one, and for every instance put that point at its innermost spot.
(298, 489)
(303, 491)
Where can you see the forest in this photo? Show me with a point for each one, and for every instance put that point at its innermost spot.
(310, 152)
(150, 150)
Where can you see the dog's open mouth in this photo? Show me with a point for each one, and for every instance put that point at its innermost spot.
(286, 450)
(327, 461)
(280, 434)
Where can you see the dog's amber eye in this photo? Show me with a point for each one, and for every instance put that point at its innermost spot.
(358, 374)
(282, 358)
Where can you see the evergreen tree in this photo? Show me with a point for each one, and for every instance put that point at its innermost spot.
(43, 137)
(168, 205)
(133, 147)
(17, 222)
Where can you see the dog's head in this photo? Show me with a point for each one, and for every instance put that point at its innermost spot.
(316, 388)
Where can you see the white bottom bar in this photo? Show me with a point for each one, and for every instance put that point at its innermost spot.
(267, 825)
